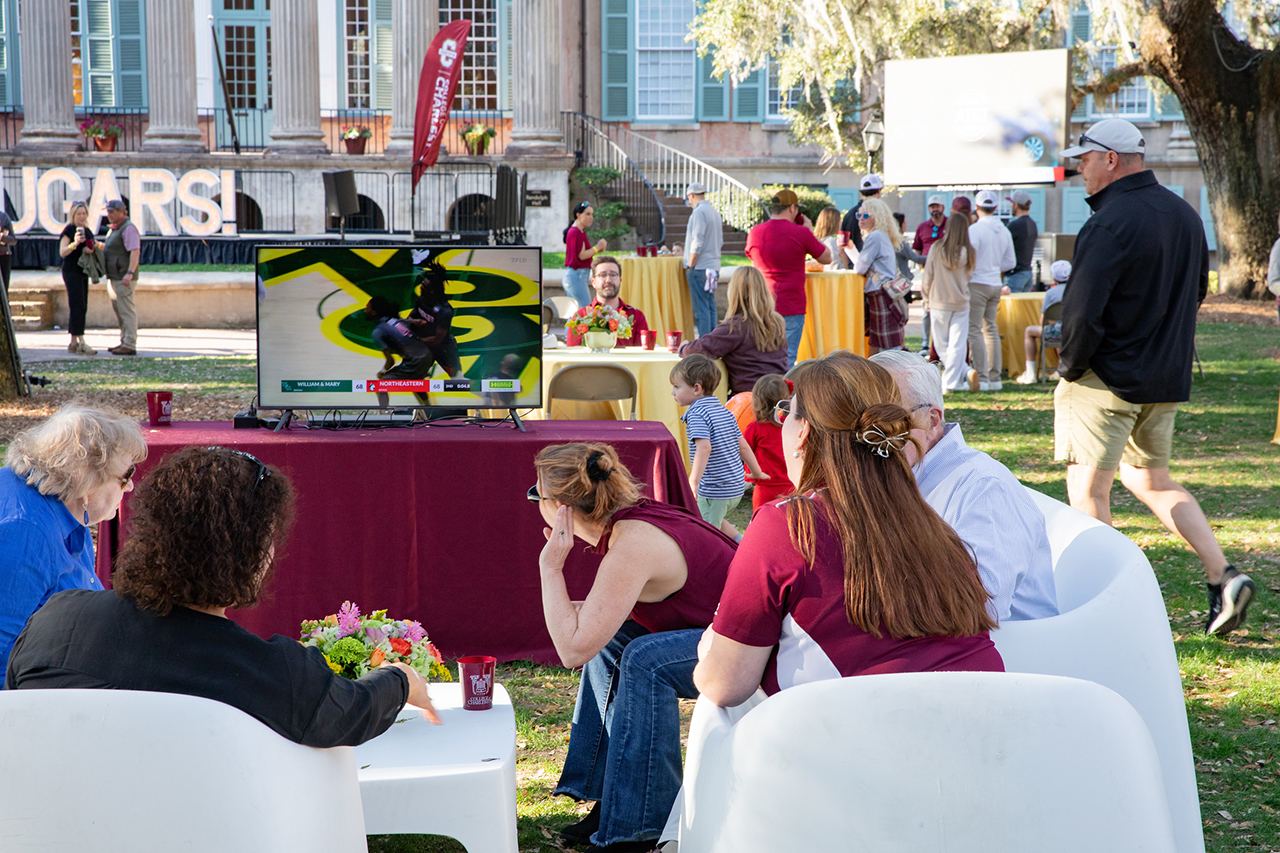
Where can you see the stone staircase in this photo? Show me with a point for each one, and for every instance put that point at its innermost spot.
(32, 311)
(676, 214)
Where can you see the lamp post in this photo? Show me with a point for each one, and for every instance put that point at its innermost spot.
(872, 137)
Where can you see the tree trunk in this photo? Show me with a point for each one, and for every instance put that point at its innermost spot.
(1230, 95)
(11, 384)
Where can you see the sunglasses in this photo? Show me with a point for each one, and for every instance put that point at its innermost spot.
(1084, 138)
(532, 495)
(263, 473)
(782, 411)
(863, 215)
(128, 476)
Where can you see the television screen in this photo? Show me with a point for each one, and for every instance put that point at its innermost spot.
(352, 327)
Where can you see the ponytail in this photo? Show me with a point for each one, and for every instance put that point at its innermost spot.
(588, 477)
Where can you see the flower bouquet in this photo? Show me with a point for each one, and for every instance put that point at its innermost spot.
(600, 326)
(356, 131)
(353, 644)
(476, 137)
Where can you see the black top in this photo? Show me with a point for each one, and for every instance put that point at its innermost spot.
(1024, 232)
(9, 239)
(71, 263)
(850, 224)
(98, 639)
(1140, 271)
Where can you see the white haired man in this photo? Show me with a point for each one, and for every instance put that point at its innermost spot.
(980, 498)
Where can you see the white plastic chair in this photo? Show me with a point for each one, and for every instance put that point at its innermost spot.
(913, 763)
(118, 771)
(1112, 629)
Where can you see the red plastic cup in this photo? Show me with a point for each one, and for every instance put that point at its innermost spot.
(842, 239)
(673, 340)
(476, 674)
(642, 251)
(648, 338)
(160, 407)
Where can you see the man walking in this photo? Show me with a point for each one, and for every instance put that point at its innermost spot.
(993, 254)
(123, 248)
(778, 247)
(1140, 271)
(1022, 228)
(703, 239)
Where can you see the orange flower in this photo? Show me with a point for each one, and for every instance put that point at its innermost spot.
(613, 325)
(435, 653)
(377, 657)
(399, 646)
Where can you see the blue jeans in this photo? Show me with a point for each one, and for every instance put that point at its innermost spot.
(1019, 282)
(704, 303)
(577, 284)
(624, 747)
(795, 330)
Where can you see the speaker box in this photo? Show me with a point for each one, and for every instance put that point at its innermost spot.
(340, 197)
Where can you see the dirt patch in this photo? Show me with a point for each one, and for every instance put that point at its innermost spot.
(1221, 308)
(17, 415)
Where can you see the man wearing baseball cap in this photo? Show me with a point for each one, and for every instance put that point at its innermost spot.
(704, 236)
(1024, 232)
(778, 248)
(870, 186)
(1141, 269)
(993, 254)
(932, 229)
(123, 249)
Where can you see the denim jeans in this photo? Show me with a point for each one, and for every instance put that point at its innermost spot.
(704, 303)
(577, 285)
(624, 747)
(1019, 282)
(795, 330)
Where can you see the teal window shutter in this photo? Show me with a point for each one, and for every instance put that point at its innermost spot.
(131, 53)
(1037, 207)
(1206, 216)
(383, 53)
(713, 94)
(617, 60)
(5, 64)
(748, 97)
(1074, 209)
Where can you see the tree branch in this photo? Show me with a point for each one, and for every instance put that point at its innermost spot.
(1109, 83)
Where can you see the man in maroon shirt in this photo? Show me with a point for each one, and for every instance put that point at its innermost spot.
(606, 278)
(932, 229)
(778, 248)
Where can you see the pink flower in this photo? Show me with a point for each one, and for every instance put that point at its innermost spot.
(375, 635)
(414, 632)
(348, 619)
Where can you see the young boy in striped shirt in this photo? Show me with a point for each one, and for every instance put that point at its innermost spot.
(717, 449)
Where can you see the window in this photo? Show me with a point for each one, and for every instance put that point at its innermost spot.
(355, 45)
(778, 99)
(10, 92)
(1133, 98)
(107, 56)
(665, 62)
(478, 87)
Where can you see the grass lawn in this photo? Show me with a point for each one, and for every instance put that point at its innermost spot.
(1221, 453)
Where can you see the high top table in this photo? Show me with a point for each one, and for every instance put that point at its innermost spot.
(657, 287)
(1016, 312)
(429, 523)
(835, 316)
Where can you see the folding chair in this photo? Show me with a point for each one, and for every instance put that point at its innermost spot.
(595, 383)
(1052, 314)
(564, 306)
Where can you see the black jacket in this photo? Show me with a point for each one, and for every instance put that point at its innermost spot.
(1140, 271)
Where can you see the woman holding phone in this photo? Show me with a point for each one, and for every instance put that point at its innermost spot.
(76, 240)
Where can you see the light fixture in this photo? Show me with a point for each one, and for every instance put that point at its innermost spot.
(873, 134)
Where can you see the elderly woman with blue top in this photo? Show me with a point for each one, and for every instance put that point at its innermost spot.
(60, 478)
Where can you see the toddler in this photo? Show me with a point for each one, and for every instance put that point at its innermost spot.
(717, 450)
(764, 437)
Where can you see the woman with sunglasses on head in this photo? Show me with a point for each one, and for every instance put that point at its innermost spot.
(61, 477)
(207, 526)
(578, 253)
(878, 261)
(855, 574)
(635, 635)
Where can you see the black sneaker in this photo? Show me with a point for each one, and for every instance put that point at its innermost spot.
(1228, 602)
(581, 832)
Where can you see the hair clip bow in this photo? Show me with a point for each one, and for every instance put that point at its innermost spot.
(880, 443)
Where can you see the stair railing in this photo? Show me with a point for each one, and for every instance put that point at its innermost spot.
(594, 147)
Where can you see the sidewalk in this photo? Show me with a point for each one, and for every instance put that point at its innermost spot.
(51, 345)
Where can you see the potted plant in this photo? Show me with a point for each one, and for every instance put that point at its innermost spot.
(601, 327)
(354, 136)
(476, 137)
(104, 136)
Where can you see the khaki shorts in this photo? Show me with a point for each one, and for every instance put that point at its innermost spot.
(1094, 427)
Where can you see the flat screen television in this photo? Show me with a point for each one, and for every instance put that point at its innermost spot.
(361, 327)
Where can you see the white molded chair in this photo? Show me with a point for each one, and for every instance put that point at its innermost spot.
(1112, 629)
(960, 762)
(118, 771)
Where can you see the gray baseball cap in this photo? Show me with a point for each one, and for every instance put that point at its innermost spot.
(116, 204)
(1020, 197)
(987, 199)
(695, 188)
(936, 199)
(1110, 134)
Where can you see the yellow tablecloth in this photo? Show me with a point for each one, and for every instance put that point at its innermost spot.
(1276, 438)
(658, 288)
(834, 317)
(1016, 312)
(652, 370)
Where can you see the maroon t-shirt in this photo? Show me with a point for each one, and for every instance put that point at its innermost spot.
(574, 243)
(924, 236)
(772, 599)
(778, 249)
(707, 553)
(638, 324)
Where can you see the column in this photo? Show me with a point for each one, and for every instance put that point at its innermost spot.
(171, 78)
(535, 27)
(416, 23)
(295, 66)
(48, 102)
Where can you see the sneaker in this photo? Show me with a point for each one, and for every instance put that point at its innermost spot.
(974, 384)
(581, 832)
(983, 386)
(995, 386)
(1028, 377)
(1228, 602)
(624, 847)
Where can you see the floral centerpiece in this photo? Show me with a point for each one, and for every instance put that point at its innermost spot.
(354, 644)
(600, 326)
(476, 137)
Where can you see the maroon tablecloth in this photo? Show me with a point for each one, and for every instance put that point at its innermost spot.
(431, 524)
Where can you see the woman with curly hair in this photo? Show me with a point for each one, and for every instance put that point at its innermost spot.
(206, 528)
(855, 574)
(635, 635)
(61, 477)
(878, 261)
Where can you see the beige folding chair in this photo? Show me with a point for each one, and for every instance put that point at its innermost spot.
(564, 306)
(548, 318)
(595, 383)
(1053, 314)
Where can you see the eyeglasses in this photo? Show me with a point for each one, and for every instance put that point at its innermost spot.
(917, 408)
(1084, 138)
(128, 476)
(782, 411)
(608, 276)
(263, 473)
(533, 495)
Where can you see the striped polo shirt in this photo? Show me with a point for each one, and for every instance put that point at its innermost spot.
(707, 418)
